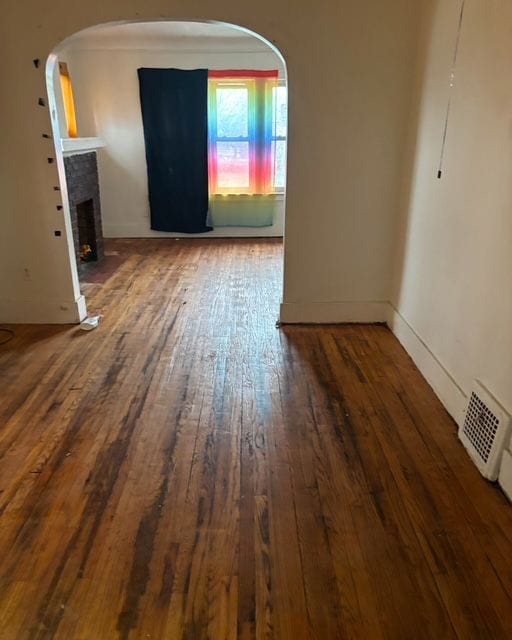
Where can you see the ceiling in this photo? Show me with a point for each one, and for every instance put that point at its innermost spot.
(159, 34)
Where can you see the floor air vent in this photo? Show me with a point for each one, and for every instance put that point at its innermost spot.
(485, 431)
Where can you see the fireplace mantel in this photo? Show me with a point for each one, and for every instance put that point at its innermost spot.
(72, 146)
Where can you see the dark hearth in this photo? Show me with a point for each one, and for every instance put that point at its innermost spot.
(84, 205)
(86, 231)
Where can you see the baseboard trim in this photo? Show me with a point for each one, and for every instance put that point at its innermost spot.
(43, 311)
(332, 312)
(505, 477)
(440, 379)
(133, 231)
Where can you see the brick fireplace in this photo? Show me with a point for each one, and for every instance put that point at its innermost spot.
(84, 204)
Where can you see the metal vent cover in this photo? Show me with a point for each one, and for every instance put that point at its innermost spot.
(485, 430)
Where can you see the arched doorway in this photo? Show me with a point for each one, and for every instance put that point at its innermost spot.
(109, 119)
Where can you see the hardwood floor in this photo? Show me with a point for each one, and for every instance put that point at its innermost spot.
(187, 470)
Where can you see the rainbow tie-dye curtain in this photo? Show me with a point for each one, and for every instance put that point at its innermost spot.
(241, 161)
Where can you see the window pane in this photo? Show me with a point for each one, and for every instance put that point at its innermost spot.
(232, 112)
(279, 111)
(233, 165)
(279, 163)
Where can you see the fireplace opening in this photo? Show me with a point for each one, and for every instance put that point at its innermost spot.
(84, 208)
(87, 246)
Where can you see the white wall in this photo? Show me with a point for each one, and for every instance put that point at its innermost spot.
(349, 71)
(354, 117)
(106, 89)
(452, 287)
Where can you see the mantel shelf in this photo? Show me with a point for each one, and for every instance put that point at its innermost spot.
(71, 146)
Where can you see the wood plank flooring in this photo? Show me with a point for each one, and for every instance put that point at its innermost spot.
(188, 470)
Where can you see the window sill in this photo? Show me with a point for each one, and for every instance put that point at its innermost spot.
(72, 146)
(247, 196)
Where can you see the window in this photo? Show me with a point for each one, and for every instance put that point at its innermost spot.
(69, 103)
(230, 128)
(247, 132)
(279, 126)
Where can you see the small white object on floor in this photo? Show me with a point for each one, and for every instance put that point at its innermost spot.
(90, 323)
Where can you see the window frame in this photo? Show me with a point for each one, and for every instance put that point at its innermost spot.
(273, 138)
(213, 138)
(260, 138)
